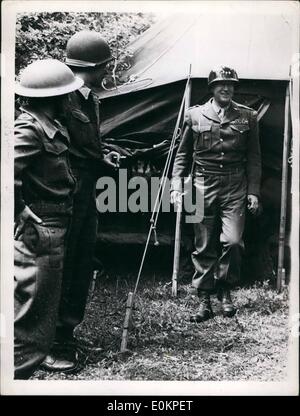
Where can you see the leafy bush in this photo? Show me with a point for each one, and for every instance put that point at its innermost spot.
(45, 35)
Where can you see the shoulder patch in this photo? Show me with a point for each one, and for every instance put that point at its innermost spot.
(193, 106)
(192, 115)
(194, 110)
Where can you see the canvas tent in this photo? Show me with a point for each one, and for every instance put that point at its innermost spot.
(143, 111)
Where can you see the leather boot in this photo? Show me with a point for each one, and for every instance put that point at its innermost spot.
(205, 311)
(62, 357)
(54, 363)
(227, 306)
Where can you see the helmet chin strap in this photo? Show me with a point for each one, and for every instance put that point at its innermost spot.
(115, 87)
(113, 72)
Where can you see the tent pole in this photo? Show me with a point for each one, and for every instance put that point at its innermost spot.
(187, 102)
(176, 261)
(177, 248)
(284, 177)
(294, 160)
(153, 221)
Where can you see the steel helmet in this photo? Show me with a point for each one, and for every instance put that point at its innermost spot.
(222, 73)
(47, 78)
(87, 49)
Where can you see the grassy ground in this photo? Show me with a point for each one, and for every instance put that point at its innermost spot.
(164, 345)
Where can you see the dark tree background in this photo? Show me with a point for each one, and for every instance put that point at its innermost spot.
(45, 35)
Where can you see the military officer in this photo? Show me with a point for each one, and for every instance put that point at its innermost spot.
(88, 55)
(44, 187)
(221, 142)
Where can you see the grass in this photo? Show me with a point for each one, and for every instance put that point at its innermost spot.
(164, 345)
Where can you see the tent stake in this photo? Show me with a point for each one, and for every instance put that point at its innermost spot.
(281, 269)
(126, 322)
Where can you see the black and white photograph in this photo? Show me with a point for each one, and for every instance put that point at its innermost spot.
(150, 199)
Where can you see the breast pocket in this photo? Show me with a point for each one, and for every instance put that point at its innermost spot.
(83, 130)
(205, 137)
(240, 133)
(80, 116)
(55, 148)
(54, 167)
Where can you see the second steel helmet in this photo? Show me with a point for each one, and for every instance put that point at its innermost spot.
(47, 78)
(87, 49)
(222, 73)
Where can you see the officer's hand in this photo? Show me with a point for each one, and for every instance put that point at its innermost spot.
(175, 197)
(21, 220)
(112, 159)
(252, 204)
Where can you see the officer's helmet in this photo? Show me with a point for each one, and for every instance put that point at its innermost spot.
(47, 78)
(222, 73)
(87, 49)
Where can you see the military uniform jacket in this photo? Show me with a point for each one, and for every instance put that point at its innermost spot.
(43, 178)
(218, 146)
(83, 123)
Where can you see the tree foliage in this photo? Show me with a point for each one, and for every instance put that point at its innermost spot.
(45, 35)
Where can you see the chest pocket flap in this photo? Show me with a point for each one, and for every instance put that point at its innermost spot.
(202, 127)
(55, 147)
(79, 115)
(204, 137)
(205, 127)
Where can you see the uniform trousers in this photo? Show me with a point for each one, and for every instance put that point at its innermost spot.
(218, 241)
(78, 265)
(39, 254)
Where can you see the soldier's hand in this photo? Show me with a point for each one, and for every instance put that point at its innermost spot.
(112, 159)
(252, 203)
(175, 197)
(21, 220)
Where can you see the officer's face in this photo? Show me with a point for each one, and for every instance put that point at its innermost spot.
(99, 73)
(223, 92)
(96, 76)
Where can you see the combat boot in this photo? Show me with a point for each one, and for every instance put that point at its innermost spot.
(227, 306)
(55, 363)
(62, 357)
(205, 311)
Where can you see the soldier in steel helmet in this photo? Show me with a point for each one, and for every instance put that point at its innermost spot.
(88, 55)
(44, 187)
(221, 142)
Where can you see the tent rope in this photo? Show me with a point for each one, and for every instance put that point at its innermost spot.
(163, 181)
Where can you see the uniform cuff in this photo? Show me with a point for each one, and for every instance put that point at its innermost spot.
(254, 189)
(176, 184)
